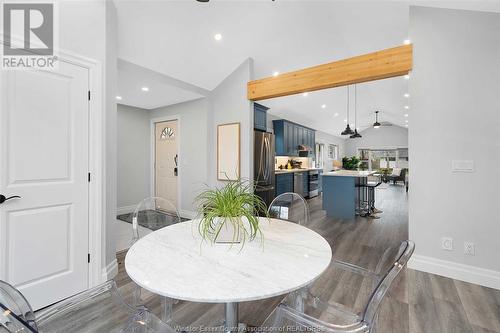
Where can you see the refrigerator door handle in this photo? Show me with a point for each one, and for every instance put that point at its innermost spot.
(261, 159)
(268, 155)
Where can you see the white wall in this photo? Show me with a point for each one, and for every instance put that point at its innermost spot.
(229, 104)
(383, 137)
(134, 159)
(88, 28)
(193, 157)
(455, 89)
(198, 126)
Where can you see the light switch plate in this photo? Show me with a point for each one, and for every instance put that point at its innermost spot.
(462, 166)
(447, 243)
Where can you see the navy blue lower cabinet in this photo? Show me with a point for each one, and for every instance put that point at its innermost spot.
(284, 183)
(339, 196)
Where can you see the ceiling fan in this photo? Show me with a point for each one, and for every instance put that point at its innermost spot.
(377, 124)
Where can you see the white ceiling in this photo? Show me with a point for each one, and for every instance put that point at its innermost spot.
(159, 94)
(175, 38)
(387, 96)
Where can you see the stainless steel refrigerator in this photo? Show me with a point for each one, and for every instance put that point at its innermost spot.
(264, 165)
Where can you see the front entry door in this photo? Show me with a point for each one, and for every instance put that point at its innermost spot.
(44, 160)
(166, 160)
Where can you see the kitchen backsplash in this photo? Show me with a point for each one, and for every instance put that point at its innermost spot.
(307, 162)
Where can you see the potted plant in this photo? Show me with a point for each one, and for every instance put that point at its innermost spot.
(228, 214)
(350, 163)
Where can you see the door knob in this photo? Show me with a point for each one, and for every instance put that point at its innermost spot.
(3, 198)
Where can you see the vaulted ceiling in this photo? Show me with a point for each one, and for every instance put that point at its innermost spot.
(176, 38)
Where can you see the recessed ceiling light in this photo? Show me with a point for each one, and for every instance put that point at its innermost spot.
(323, 106)
(407, 77)
(407, 107)
(305, 94)
(217, 37)
(406, 121)
(145, 89)
(276, 74)
(336, 114)
(119, 98)
(407, 95)
(406, 125)
(407, 41)
(345, 120)
(406, 114)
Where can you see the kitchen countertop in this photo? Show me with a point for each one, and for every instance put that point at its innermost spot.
(349, 173)
(278, 171)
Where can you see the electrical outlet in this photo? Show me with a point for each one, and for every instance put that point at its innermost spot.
(469, 248)
(447, 243)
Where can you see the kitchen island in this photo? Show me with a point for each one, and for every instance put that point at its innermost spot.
(340, 194)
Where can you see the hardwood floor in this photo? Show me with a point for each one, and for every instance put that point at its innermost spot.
(417, 303)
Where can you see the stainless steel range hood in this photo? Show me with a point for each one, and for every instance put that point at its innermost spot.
(304, 150)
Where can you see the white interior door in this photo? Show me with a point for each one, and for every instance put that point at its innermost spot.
(166, 158)
(44, 159)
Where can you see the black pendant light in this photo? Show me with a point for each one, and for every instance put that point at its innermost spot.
(376, 124)
(356, 134)
(348, 130)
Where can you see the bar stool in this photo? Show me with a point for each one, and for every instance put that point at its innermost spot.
(362, 205)
(371, 198)
(366, 200)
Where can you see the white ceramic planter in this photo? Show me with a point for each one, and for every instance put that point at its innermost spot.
(231, 232)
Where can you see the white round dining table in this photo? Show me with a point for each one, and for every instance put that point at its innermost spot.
(177, 263)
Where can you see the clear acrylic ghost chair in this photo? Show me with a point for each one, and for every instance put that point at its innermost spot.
(10, 323)
(150, 215)
(291, 207)
(153, 213)
(100, 309)
(332, 317)
(16, 314)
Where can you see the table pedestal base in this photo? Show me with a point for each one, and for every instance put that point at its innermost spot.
(231, 317)
(167, 304)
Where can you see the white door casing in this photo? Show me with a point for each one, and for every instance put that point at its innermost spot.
(44, 158)
(166, 160)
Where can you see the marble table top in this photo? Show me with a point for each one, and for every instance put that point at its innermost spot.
(176, 262)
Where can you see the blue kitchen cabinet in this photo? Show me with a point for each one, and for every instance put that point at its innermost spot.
(284, 183)
(288, 137)
(260, 117)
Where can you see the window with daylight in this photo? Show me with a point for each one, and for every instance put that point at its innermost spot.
(320, 147)
(333, 152)
(167, 134)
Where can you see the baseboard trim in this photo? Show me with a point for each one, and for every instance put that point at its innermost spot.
(110, 271)
(125, 209)
(188, 214)
(481, 276)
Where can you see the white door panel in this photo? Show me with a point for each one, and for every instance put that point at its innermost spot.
(165, 154)
(44, 159)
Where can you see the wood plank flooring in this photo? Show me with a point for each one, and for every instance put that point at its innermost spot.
(417, 303)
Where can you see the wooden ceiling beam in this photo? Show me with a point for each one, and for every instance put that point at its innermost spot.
(378, 65)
